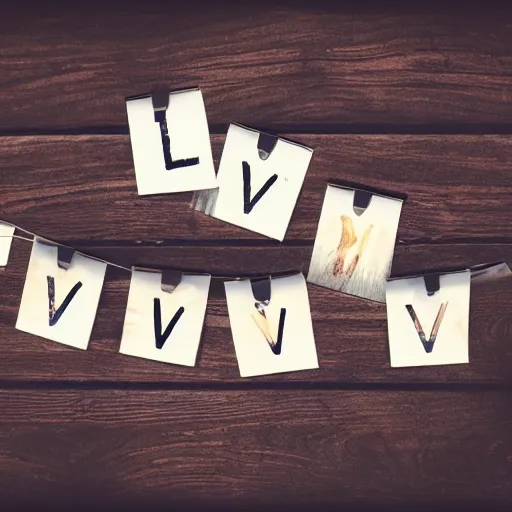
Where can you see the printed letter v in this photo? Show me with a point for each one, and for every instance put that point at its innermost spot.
(56, 314)
(249, 203)
(160, 337)
(428, 345)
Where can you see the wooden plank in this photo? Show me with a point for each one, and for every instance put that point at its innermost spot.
(350, 333)
(373, 448)
(83, 187)
(268, 65)
(253, 259)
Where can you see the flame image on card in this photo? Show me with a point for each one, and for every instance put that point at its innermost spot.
(354, 245)
(351, 247)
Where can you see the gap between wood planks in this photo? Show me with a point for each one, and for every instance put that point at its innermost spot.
(233, 242)
(242, 384)
(253, 385)
(295, 129)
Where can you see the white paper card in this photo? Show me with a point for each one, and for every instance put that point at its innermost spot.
(187, 129)
(85, 276)
(448, 308)
(6, 232)
(353, 253)
(255, 357)
(271, 214)
(139, 335)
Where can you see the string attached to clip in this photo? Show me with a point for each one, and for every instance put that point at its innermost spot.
(111, 263)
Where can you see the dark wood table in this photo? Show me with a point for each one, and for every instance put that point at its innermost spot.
(415, 100)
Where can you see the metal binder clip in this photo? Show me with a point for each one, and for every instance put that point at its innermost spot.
(64, 256)
(170, 280)
(362, 199)
(432, 283)
(266, 144)
(160, 100)
(261, 289)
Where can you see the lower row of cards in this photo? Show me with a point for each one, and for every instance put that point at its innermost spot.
(270, 318)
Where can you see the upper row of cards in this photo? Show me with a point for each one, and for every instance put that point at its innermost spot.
(257, 186)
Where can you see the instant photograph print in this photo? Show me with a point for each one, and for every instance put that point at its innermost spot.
(259, 181)
(6, 233)
(170, 142)
(428, 319)
(164, 321)
(355, 242)
(271, 325)
(60, 300)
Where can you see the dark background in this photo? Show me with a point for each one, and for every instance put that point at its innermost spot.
(413, 99)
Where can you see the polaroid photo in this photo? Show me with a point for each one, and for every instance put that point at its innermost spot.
(58, 303)
(428, 319)
(165, 325)
(170, 142)
(355, 242)
(6, 233)
(259, 181)
(273, 332)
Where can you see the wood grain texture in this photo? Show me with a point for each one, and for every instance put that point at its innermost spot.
(83, 187)
(350, 333)
(252, 448)
(94, 429)
(256, 259)
(271, 64)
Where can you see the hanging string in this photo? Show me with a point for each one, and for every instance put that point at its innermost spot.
(34, 235)
(31, 240)
(19, 238)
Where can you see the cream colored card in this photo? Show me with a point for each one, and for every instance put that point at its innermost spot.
(6, 232)
(187, 138)
(59, 304)
(165, 326)
(253, 351)
(353, 253)
(418, 322)
(268, 188)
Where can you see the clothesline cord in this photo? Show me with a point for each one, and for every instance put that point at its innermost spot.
(222, 278)
(62, 245)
